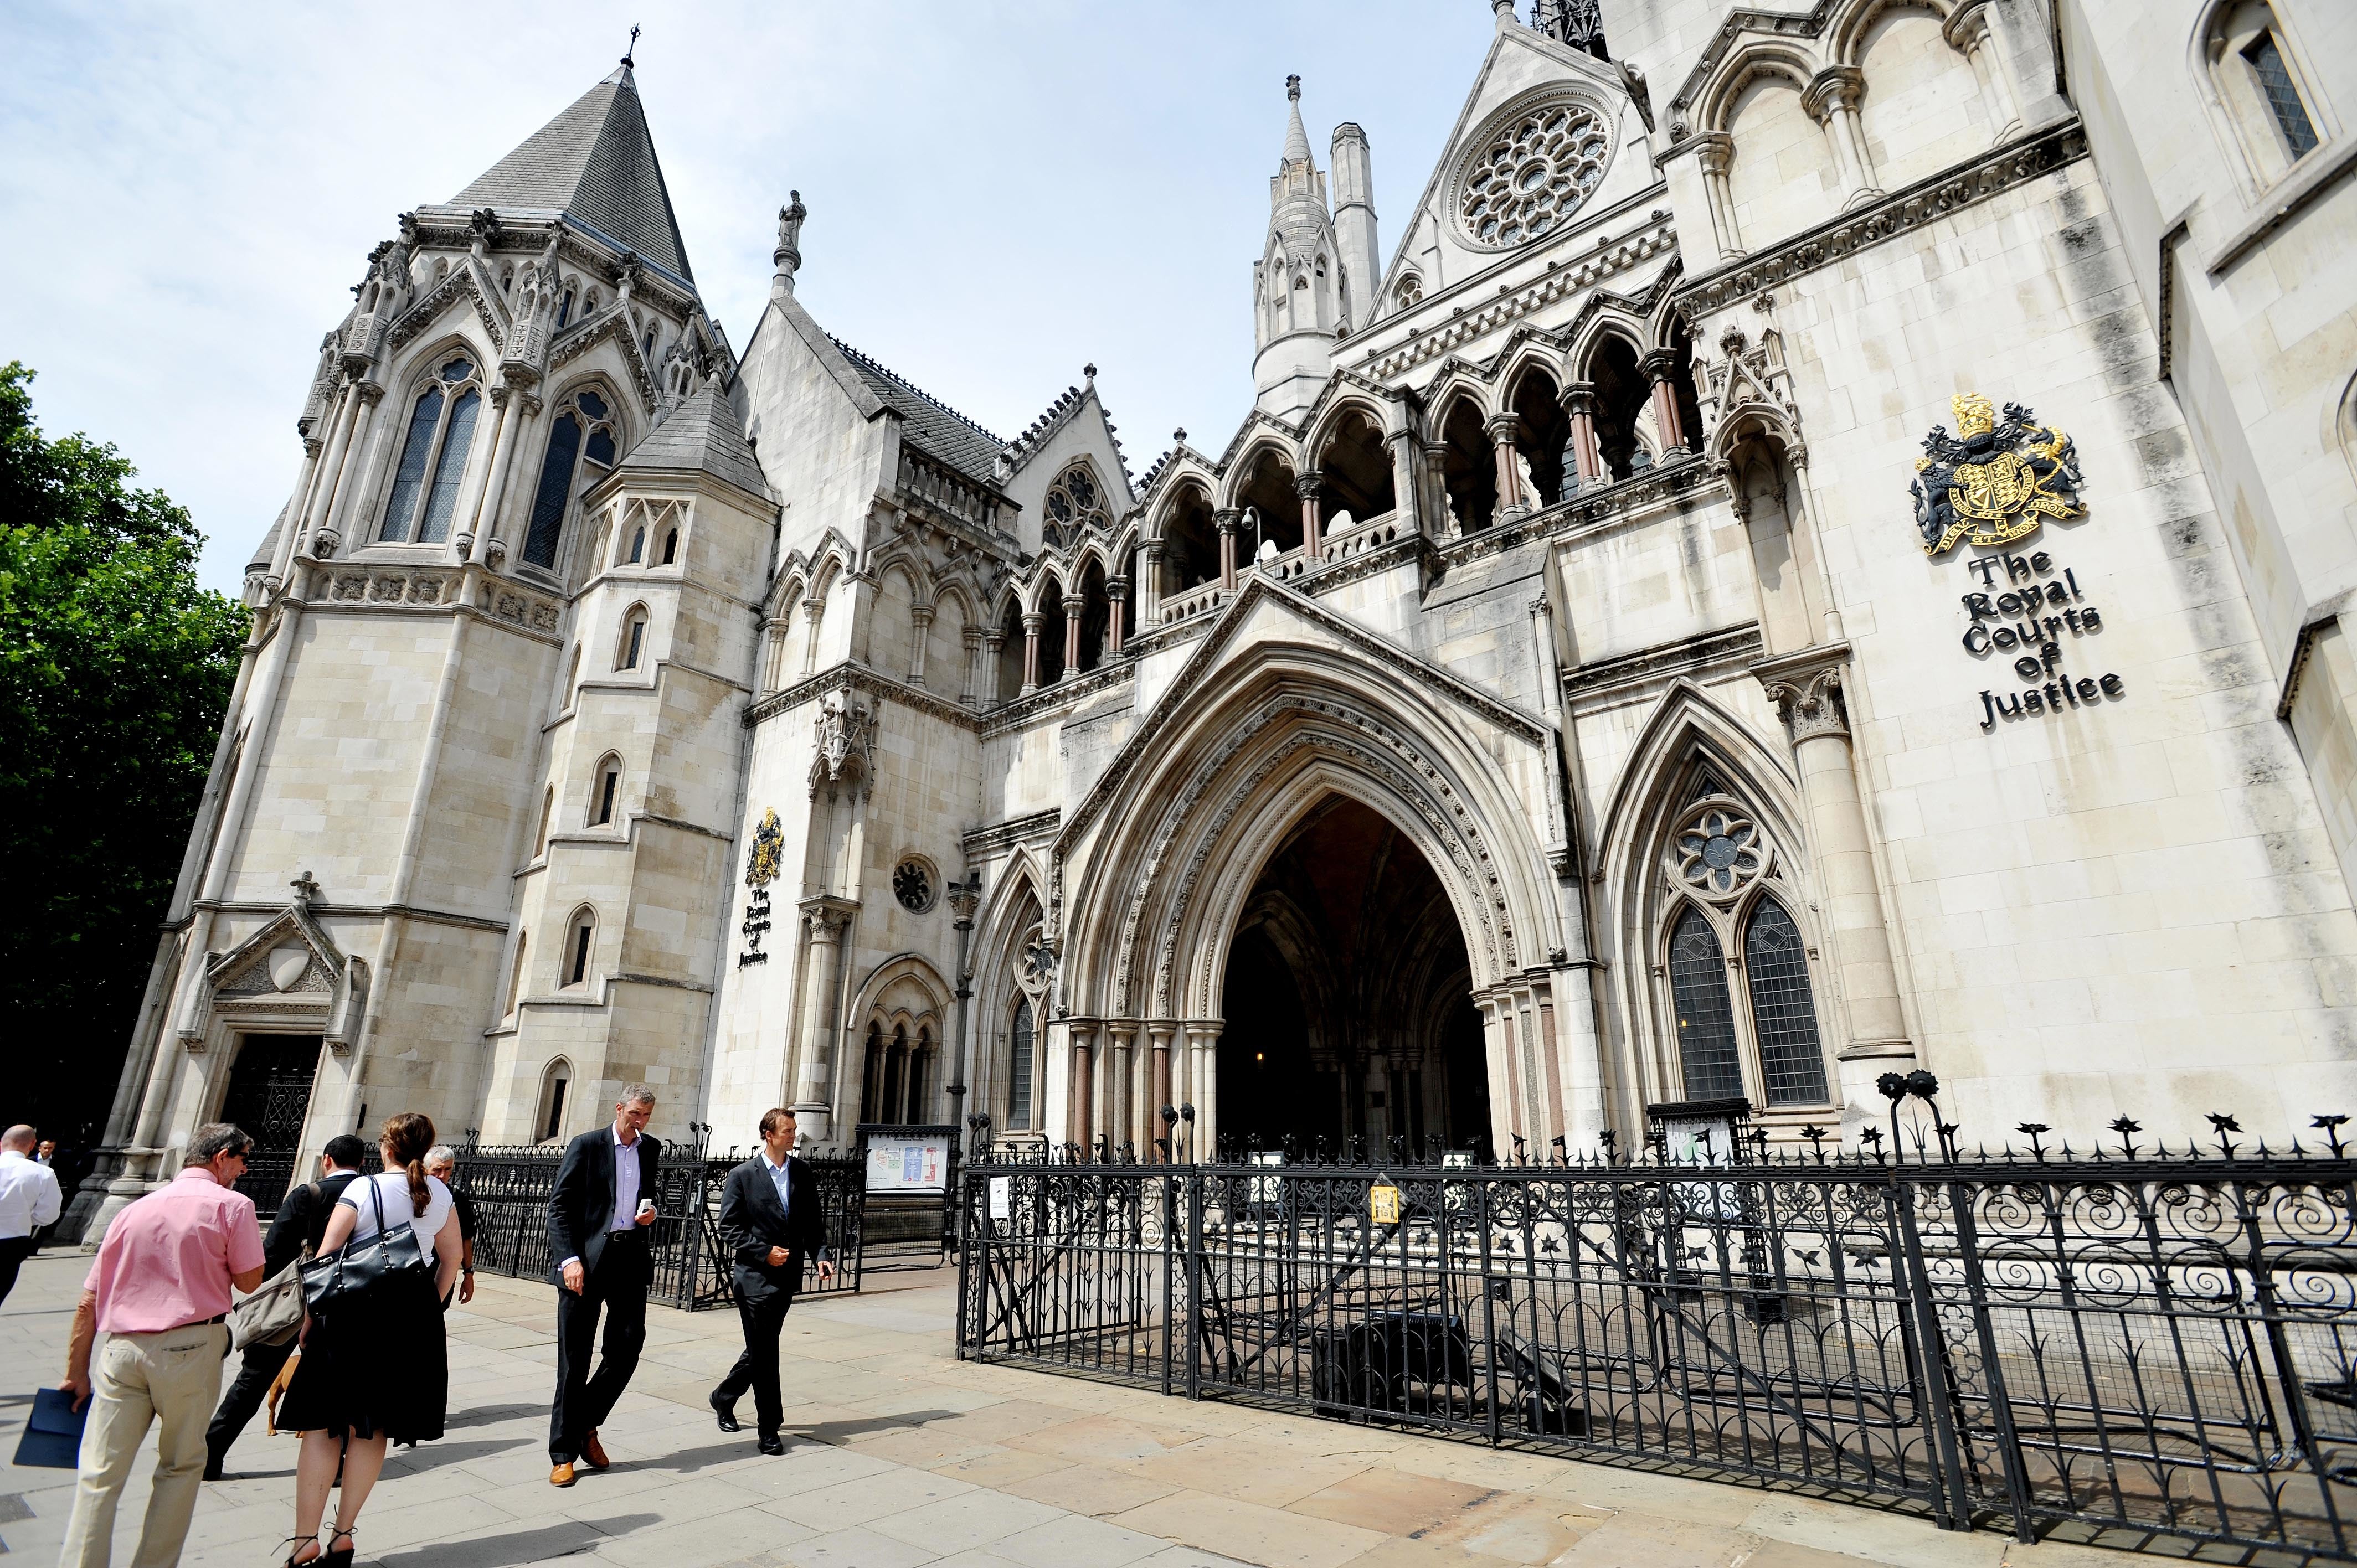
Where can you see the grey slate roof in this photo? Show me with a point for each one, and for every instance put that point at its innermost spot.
(932, 425)
(702, 435)
(594, 163)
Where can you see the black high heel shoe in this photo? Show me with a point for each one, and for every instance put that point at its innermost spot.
(337, 1557)
(296, 1543)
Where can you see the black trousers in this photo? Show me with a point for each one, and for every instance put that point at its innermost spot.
(12, 1253)
(616, 1288)
(757, 1369)
(255, 1373)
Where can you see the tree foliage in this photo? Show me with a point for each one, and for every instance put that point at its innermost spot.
(115, 668)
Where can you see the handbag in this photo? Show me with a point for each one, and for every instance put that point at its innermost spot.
(363, 1268)
(274, 1314)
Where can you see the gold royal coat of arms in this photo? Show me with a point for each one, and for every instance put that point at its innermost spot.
(761, 860)
(1992, 482)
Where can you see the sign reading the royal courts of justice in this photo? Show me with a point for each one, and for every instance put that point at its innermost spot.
(1993, 484)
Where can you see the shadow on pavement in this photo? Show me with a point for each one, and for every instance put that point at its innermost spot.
(493, 1415)
(519, 1546)
(834, 1433)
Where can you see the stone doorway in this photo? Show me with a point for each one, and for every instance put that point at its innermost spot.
(1350, 1029)
(268, 1095)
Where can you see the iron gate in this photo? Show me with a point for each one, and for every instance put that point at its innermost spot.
(268, 1095)
(2147, 1341)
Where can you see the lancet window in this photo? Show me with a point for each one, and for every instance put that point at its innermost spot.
(581, 448)
(434, 457)
(1736, 964)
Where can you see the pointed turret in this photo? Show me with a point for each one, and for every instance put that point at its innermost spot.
(1296, 284)
(596, 165)
(703, 436)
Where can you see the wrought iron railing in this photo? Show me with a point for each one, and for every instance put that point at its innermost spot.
(509, 1186)
(2136, 1339)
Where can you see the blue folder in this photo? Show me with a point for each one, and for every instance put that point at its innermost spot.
(52, 1435)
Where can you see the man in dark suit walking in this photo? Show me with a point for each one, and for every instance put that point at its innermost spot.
(770, 1222)
(296, 1232)
(599, 1218)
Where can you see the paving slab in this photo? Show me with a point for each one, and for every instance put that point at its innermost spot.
(899, 1455)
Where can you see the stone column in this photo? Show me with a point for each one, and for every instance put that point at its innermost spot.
(814, 613)
(512, 436)
(1207, 1089)
(1504, 428)
(1715, 150)
(1406, 497)
(1227, 522)
(968, 692)
(349, 513)
(1074, 605)
(1579, 403)
(824, 922)
(964, 898)
(1149, 586)
(1117, 605)
(481, 464)
(1967, 31)
(1031, 622)
(921, 616)
(1498, 1056)
(1436, 481)
(1083, 1102)
(994, 643)
(1806, 688)
(1158, 1087)
(1311, 487)
(1831, 100)
(1658, 366)
(1121, 1101)
(331, 465)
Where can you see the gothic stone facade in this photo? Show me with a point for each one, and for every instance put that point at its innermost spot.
(1584, 678)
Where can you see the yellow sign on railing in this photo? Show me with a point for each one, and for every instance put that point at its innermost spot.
(1384, 1203)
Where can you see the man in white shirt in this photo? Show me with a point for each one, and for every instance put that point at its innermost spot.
(599, 1216)
(29, 1202)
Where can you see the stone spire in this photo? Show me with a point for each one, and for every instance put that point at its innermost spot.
(1296, 294)
(1296, 140)
(596, 165)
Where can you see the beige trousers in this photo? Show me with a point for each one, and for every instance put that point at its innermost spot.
(136, 1380)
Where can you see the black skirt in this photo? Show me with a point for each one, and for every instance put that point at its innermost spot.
(376, 1367)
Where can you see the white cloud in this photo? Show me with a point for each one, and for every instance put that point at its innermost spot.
(998, 192)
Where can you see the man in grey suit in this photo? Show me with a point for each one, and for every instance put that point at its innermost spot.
(770, 1222)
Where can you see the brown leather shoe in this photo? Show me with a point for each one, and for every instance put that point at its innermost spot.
(562, 1476)
(593, 1452)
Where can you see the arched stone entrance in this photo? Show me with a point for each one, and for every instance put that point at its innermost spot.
(1347, 999)
(1289, 727)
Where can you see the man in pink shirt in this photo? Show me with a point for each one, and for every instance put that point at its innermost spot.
(159, 1290)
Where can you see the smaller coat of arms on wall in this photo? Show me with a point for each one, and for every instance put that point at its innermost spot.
(761, 870)
(1992, 482)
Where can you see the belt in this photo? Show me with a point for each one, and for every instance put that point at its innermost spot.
(627, 1230)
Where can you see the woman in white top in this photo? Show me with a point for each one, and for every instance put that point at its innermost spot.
(373, 1370)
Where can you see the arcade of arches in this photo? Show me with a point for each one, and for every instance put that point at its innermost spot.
(1346, 998)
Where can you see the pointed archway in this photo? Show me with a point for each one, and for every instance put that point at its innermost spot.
(1351, 1026)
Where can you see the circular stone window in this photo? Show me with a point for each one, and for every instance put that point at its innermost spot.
(912, 884)
(1718, 852)
(1535, 168)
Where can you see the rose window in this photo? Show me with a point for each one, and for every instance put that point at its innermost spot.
(1718, 852)
(1533, 175)
(912, 884)
(1075, 502)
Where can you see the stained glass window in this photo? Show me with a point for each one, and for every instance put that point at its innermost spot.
(409, 479)
(1707, 1051)
(1782, 1011)
(1019, 1067)
(443, 500)
(601, 447)
(2282, 94)
(555, 489)
(591, 404)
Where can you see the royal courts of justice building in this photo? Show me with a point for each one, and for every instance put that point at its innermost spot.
(1815, 549)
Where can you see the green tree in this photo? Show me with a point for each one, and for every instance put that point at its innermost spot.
(115, 668)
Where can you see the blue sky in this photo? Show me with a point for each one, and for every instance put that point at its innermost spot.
(999, 193)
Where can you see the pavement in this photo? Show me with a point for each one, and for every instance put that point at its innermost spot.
(900, 1456)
